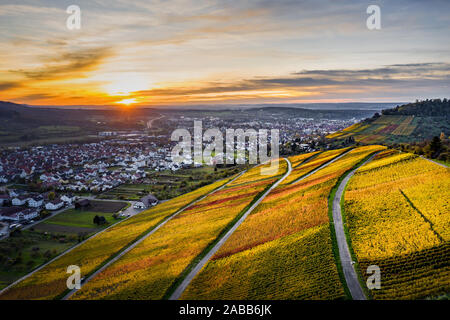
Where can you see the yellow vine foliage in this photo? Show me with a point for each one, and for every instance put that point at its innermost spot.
(296, 160)
(50, 281)
(152, 267)
(261, 172)
(283, 250)
(398, 215)
(313, 164)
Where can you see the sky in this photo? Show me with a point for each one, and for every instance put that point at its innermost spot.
(182, 52)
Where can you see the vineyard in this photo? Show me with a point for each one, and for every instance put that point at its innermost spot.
(150, 269)
(395, 209)
(397, 214)
(299, 159)
(283, 250)
(393, 129)
(50, 281)
(313, 163)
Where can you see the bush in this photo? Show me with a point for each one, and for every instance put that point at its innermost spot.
(47, 254)
(444, 156)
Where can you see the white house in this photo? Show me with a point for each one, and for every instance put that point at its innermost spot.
(17, 214)
(46, 177)
(146, 202)
(68, 198)
(29, 214)
(36, 202)
(54, 205)
(20, 200)
(14, 193)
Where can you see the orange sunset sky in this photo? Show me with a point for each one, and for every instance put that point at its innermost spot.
(212, 52)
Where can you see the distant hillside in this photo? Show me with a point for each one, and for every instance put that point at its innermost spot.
(412, 122)
(21, 123)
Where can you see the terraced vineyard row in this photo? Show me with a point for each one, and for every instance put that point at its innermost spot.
(312, 164)
(153, 267)
(397, 209)
(50, 281)
(388, 128)
(299, 159)
(283, 250)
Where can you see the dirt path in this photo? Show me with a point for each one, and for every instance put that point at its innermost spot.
(350, 274)
(180, 289)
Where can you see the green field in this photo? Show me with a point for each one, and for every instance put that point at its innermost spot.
(81, 222)
(52, 236)
(76, 218)
(26, 251)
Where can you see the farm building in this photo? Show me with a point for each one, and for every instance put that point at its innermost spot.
(146, 202)
(82, 204)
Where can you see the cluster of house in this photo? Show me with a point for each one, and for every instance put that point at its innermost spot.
(19, 205)
(86, 167)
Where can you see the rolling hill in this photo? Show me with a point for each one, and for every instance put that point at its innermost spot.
(413, 122)
(280, 236)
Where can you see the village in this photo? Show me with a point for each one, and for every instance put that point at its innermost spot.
(54, 177)
(38, 180)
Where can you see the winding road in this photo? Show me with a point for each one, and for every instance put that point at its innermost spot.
(180, 289)
(351, 277)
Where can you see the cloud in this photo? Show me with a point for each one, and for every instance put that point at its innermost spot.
(68, 64)
(36, 96)
(399, 77)
(419, 69)
(9, 85)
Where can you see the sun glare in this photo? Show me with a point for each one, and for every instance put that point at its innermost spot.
(127, 83)
(127, 102)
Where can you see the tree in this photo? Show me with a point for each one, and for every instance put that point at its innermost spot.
(435, 146)
(51, 196)
(99, 220)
